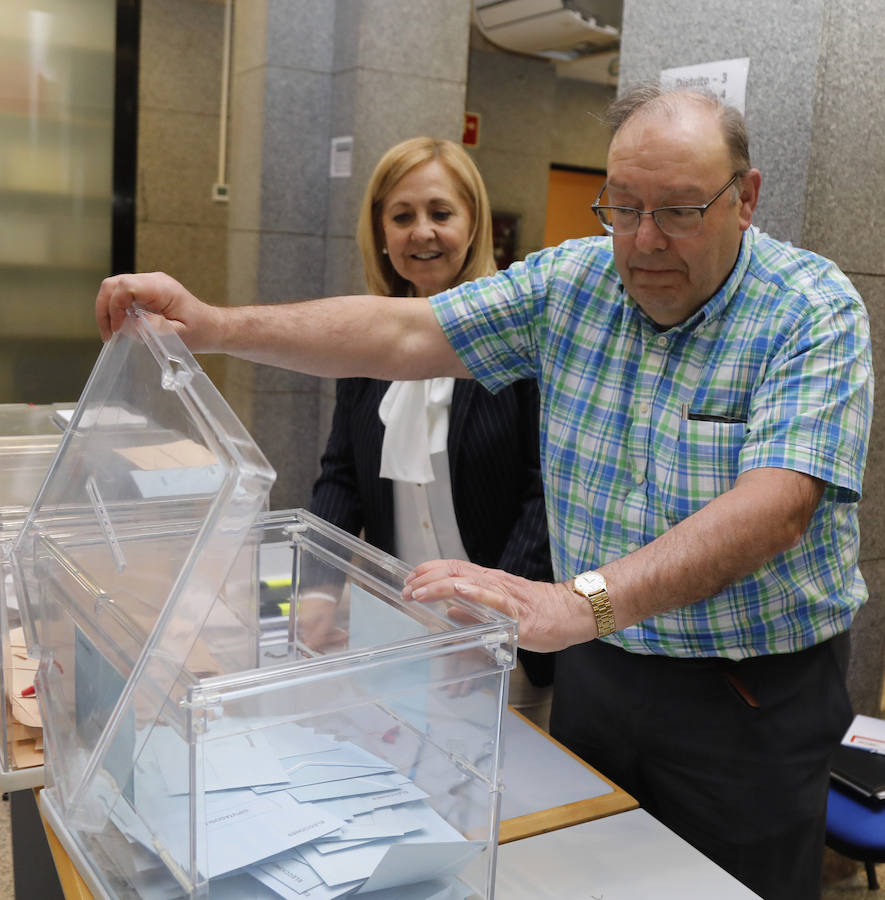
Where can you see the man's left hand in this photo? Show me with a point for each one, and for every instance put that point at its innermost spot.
(550, 616)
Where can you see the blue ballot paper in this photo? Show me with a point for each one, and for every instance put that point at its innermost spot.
(366, 829)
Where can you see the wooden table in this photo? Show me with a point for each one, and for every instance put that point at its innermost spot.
(72, 884)
(538, 768)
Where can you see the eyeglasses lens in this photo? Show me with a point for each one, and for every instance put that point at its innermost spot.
(675, 222)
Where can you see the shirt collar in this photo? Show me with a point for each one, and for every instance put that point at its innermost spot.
(717, 304)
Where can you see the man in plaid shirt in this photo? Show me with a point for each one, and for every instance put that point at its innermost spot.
(706, 398)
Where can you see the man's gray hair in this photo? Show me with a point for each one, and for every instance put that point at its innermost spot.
(650, 96)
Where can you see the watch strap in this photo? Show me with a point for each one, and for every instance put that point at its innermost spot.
(605, 615)
(601, 606)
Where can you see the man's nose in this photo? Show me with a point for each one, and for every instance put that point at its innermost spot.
(649, 236)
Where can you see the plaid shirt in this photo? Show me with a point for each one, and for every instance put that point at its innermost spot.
(640, 428)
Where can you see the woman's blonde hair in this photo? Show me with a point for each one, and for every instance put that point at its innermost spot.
(381, 277)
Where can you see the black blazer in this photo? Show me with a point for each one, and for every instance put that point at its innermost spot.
(495, 470)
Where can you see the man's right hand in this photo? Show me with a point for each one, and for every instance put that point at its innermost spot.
(198, 324)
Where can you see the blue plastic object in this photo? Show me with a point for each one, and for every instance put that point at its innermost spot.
(856, 829)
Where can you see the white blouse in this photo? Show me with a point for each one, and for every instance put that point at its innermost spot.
(414, 455)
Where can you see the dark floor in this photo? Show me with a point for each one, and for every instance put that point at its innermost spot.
(845, 879)
(7, 891)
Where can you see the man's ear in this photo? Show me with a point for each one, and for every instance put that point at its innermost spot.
(750, 185)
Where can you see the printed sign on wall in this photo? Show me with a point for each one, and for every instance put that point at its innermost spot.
(726, 78)
(341, 157)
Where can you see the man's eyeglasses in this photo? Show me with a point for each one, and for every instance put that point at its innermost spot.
(674, 221)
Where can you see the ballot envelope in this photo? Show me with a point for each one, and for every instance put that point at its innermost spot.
(238, 703)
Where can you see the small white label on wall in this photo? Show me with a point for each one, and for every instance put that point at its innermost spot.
(726, 78)
(341, 158)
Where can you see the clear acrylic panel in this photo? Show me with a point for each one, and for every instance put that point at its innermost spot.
(124, 553)
(366, 759)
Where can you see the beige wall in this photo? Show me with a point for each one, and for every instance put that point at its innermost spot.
(179, 229)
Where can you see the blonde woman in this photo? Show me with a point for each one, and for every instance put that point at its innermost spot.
(442, 467)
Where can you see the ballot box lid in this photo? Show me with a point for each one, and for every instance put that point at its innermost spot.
(151, 493)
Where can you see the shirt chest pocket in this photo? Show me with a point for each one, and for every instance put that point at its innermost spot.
(706, 464)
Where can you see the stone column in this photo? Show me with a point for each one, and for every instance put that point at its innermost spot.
(815, 111)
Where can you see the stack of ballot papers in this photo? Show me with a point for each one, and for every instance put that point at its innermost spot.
(293, 813)
(24, 725)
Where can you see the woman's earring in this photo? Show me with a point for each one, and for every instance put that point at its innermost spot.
(384, 250)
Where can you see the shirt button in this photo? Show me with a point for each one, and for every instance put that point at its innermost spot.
(661, 341)
(632, 547)
(426, 524)
(639, 477)
(643, 408)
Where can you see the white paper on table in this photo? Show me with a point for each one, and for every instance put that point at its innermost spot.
(106, 417)
(181, 454)
(866, 732)
(178, 482)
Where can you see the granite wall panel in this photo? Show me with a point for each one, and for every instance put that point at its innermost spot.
(784, 57)
(295, 151)
(816, 117)
(846, 185)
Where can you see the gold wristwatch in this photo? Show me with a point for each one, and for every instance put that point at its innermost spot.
(592, 586)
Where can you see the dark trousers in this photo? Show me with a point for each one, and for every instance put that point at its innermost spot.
(733, 757)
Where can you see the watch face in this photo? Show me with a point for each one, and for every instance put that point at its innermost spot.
(590, 582)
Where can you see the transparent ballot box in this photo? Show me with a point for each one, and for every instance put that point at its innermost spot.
(239, 703)
(29, 438)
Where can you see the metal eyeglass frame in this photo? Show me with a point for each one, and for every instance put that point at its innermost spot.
(638, 213)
